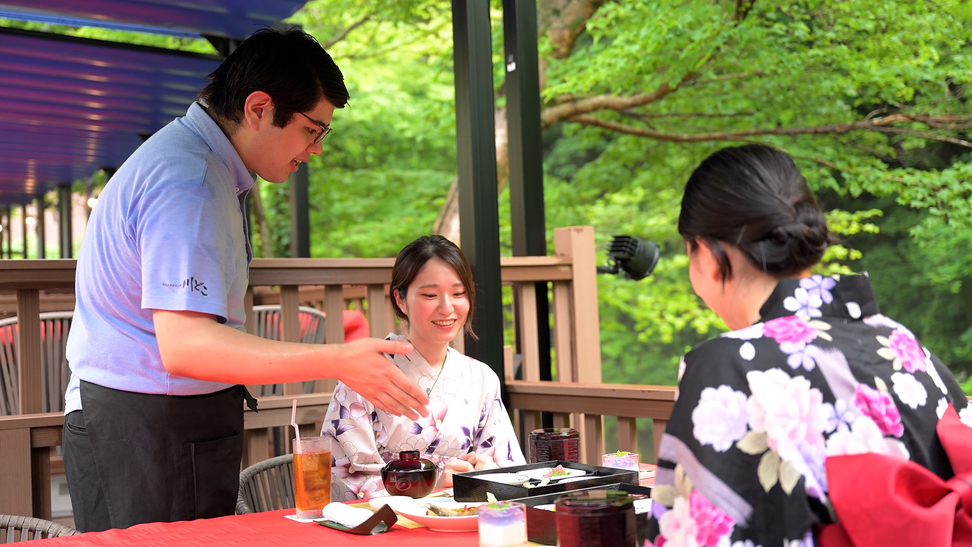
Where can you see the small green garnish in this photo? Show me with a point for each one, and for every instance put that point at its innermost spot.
(500, 505)
(620, 453)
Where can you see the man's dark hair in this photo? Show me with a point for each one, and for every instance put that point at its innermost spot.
(290, 66)
(754, 197)
(410, 261)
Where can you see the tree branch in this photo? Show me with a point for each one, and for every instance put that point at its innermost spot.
(877, 124)
(344, 33)
(724, 77)
(743, 7)
(577, 107)
(650, 115)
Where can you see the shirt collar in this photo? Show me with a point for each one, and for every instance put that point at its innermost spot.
(841, 296)
(198, 119)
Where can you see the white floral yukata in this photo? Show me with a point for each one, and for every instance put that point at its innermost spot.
(742, 462)
(465, 415)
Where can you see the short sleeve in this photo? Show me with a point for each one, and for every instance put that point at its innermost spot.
(186, 248)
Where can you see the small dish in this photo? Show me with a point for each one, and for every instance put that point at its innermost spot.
(443, 524)
(394, 502)
(514, 479)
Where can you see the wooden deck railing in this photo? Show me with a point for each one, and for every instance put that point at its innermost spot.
(576, 396)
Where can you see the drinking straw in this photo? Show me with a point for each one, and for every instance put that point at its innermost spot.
(293, 421)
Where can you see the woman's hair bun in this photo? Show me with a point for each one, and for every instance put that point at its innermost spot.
(755, 197)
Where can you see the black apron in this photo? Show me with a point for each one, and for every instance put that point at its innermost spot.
(165, 458)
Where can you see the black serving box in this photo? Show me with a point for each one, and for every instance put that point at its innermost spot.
(470, 487)
(542, 524)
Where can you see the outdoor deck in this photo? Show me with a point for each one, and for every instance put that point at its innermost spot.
(576, 397)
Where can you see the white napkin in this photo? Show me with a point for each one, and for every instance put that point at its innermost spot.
(346, 515)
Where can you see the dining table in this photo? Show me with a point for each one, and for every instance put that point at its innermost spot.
(273, 528)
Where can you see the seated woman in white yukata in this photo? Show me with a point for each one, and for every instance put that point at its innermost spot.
(468, 427)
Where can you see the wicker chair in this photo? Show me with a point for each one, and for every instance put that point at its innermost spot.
(55, 373)
(267, 486)
(15, 528)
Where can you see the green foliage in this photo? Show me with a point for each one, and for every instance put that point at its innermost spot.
(801, 64)
(898, 195)
(154, 40)
(386, 168)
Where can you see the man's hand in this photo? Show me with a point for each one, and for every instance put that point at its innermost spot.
(377, 379)
(195, 345)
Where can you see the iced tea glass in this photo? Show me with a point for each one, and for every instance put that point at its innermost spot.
(312, 476)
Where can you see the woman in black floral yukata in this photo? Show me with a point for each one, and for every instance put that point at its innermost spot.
(809, 370)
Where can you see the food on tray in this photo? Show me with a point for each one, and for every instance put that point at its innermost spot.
(543, 482)
(464, 511)
(558, 471)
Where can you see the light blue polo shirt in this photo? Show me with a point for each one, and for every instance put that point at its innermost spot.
(168, 233)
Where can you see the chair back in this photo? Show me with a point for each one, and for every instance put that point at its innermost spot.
(55, 374)
(16, 528)
(269, 326)
(267, 486)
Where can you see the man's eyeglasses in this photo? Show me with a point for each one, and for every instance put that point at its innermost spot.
(325, 129)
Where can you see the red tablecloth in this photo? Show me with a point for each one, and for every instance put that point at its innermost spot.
(270, 528)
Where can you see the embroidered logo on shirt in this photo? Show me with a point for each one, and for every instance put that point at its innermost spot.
(193, 284)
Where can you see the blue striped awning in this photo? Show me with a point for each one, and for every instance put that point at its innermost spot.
(71, 106)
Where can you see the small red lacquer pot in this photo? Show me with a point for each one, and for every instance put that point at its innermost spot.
(410, 475)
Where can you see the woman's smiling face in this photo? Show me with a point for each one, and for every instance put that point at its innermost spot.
(436, 304)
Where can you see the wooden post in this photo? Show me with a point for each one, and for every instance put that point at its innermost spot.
(334, 328)
(29, 345)
(592, 439)
(627, 434)
(526, 296)
(290, 326)
(577, 244)
(40, 478)
(377, 320)
(15, 473)
(563, 335)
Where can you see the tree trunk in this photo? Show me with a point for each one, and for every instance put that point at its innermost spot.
(563, 21)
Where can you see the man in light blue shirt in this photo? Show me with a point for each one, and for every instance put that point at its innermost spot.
(157, 349)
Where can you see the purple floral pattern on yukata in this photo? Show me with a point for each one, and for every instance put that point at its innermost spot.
(880, 408)
(836, 395)
(794, 335)
(803, 304)
(464, 409)
(819, 286)
(838, 416)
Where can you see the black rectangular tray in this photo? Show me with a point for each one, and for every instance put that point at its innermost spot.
(469, 487)
(542, 524)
